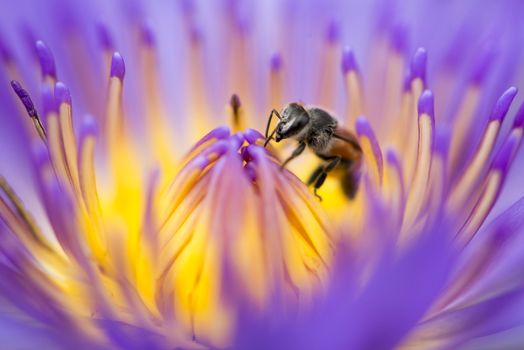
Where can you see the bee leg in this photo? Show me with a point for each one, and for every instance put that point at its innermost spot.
(314, 175)
(298, 151)
(321, 177)
(332, 164)
(275, 112)
(319, 183)
(267, 135)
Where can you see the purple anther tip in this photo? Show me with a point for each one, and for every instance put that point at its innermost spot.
(195, 35)
(391, 156)
(505, 155)
(62, 94)
(418, 64)
(243, 26)
(333, 31)
(481, 67)
(276, 61)
(399, 38)
(348, 60)
(426, 104)
(252, 135)
(442, 139)
(5, 54)
(519, 117)
(118, 68)
(24, 97)
(362, 126)
(17, 87)
(503, 103)
(104, 37)
(48, 100)
(220, 133)
(47, 62)
(89, 126)
(148, 38)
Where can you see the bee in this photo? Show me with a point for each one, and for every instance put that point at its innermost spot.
(317, 129)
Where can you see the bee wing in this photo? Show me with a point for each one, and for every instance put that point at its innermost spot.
(348, 137)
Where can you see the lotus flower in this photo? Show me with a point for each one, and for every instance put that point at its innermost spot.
(140, 209)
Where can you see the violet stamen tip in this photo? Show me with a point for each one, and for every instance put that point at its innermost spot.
(503, 104)
(89, 125)
(399, 40)
(391, 155)
(104, 37)
(349, 62)
(333, 31)
(362, 126)
(426, 104)
(118, 68)
(47, 62)
(62, 93)
(148, 38)
(23, 95)
(418, 64)
(252, 135)
(275, 61)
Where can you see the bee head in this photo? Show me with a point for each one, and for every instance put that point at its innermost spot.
(294, 119)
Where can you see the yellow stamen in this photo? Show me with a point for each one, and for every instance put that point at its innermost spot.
(69, 143)
(468, 181)
(418, 188)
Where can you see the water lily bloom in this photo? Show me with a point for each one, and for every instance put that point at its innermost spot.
(142, 207)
